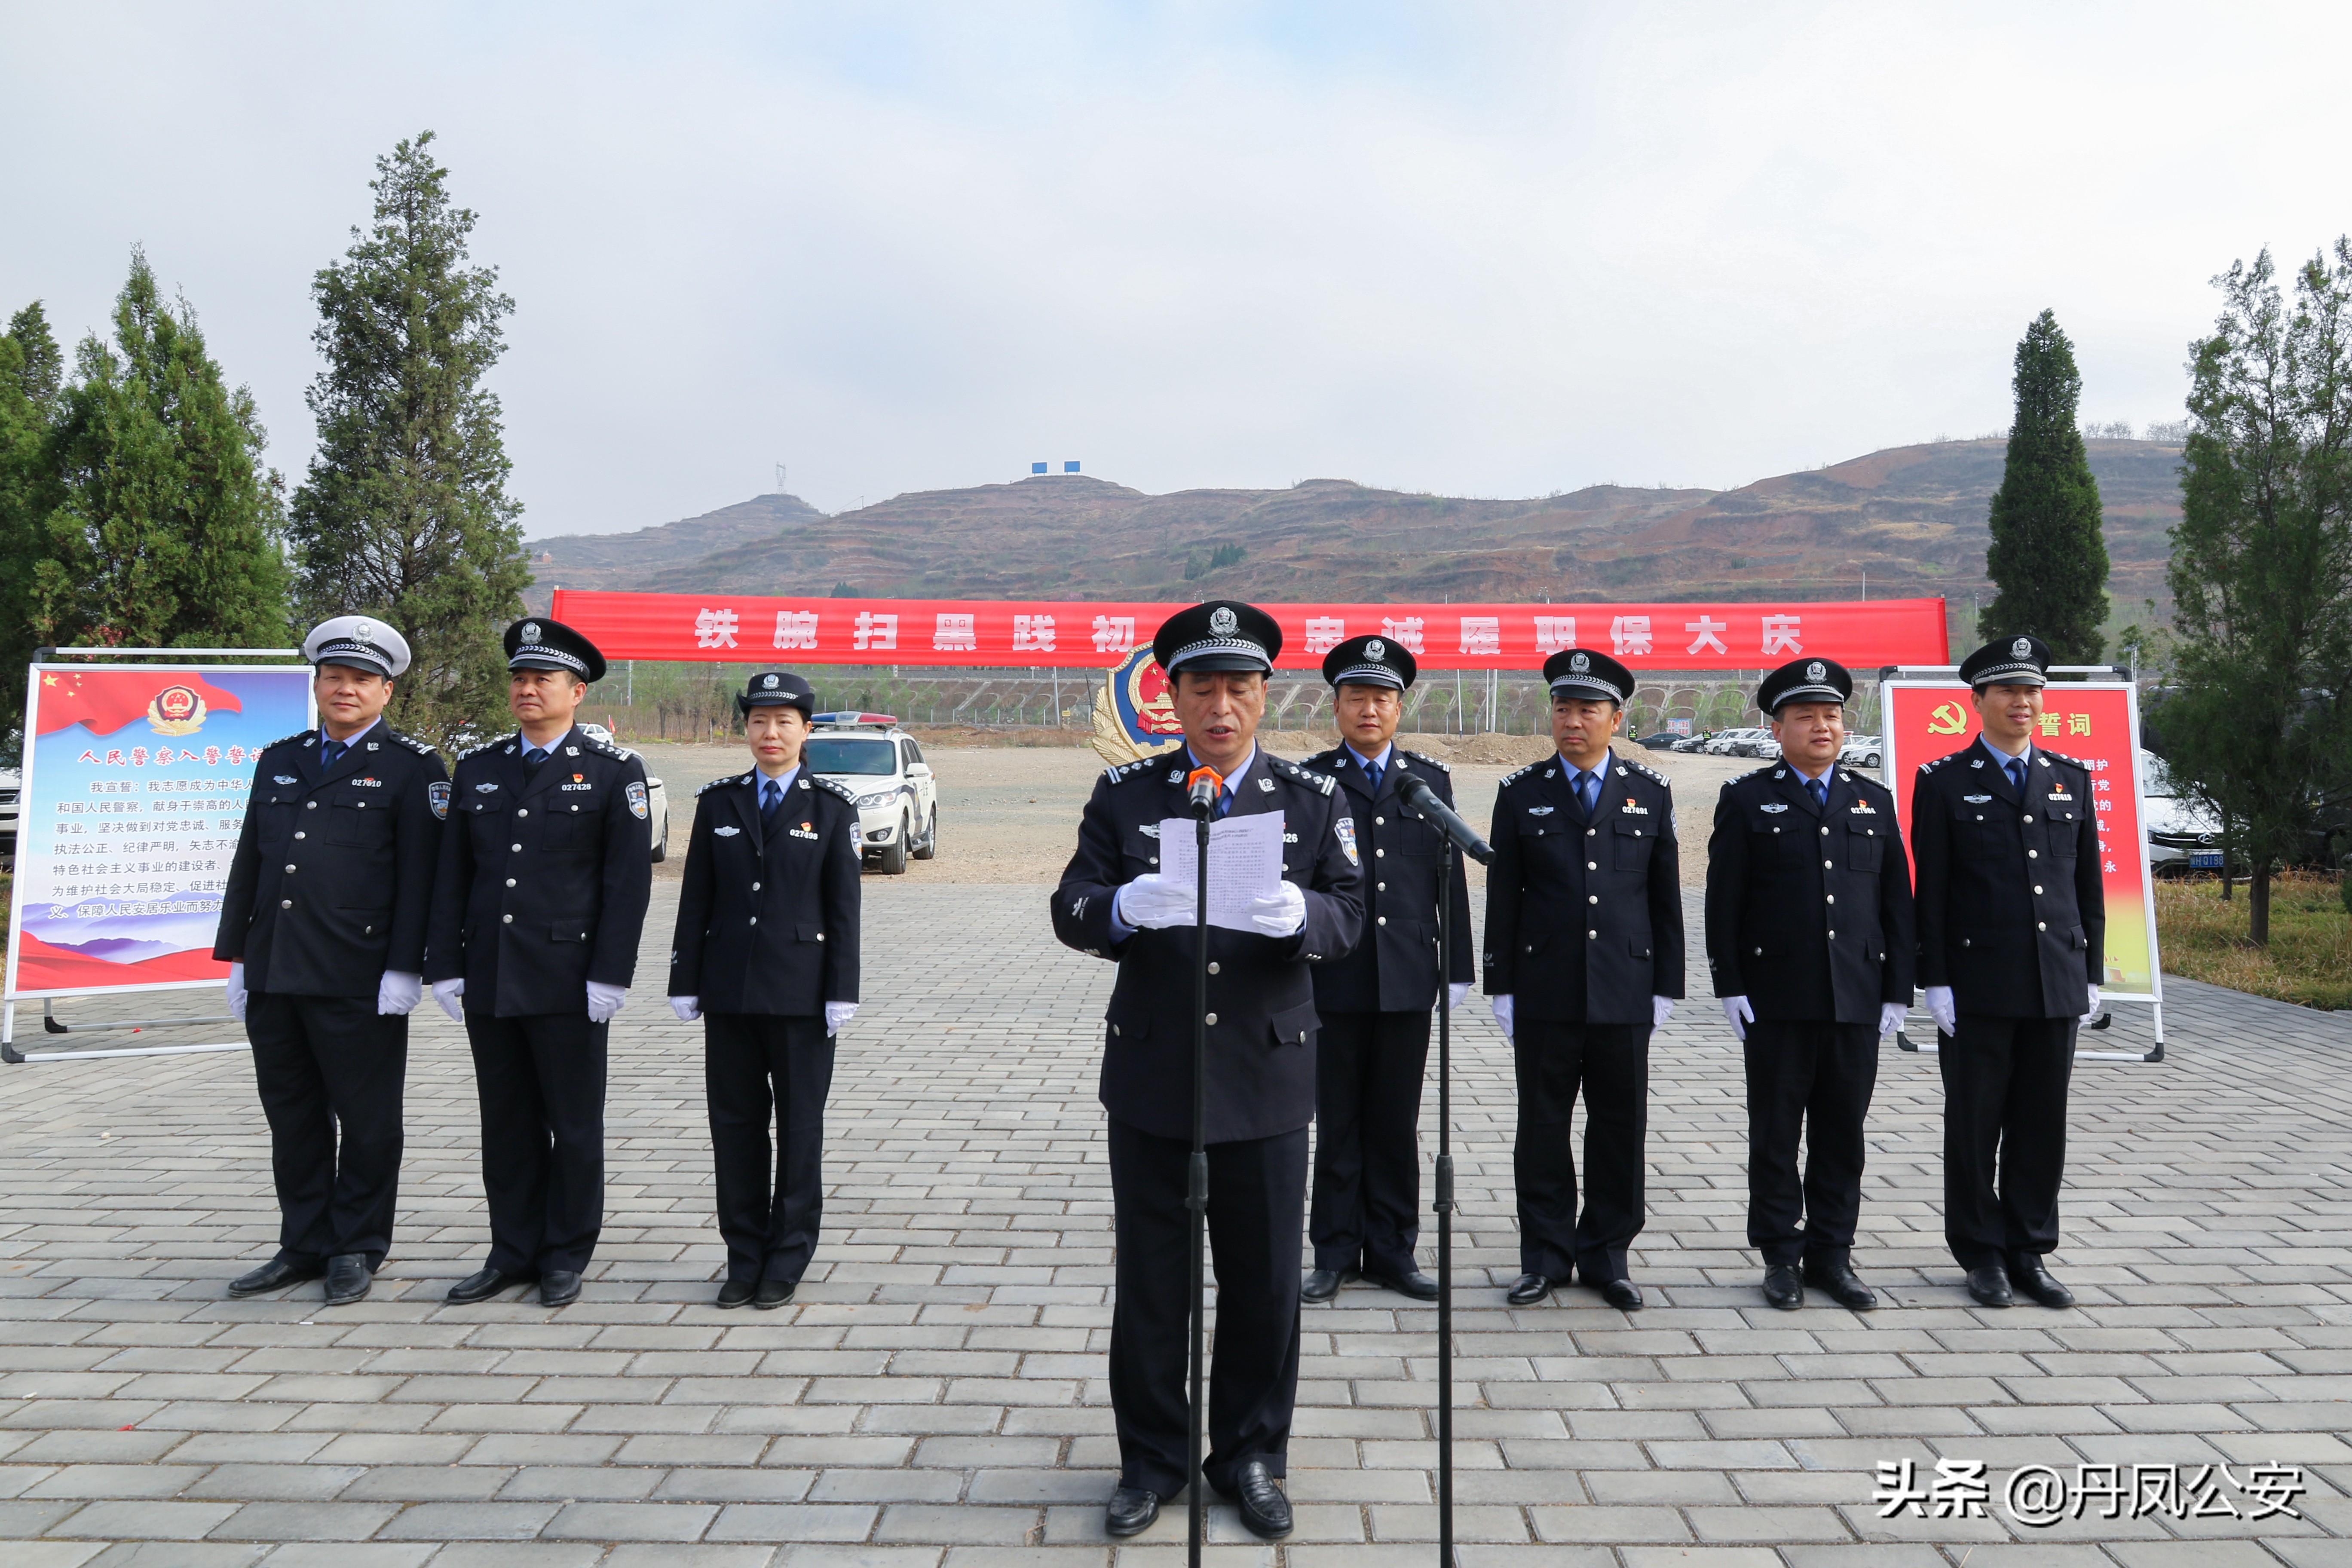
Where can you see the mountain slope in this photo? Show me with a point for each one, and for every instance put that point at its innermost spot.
(1912, 517)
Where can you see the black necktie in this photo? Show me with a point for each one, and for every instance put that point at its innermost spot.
(328, 751)
(1821, 792)
(1373, 770)
(771, 806)
(531, 758)
(2016, 767)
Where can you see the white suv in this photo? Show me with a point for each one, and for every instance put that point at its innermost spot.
(657, 798)
(898, 798)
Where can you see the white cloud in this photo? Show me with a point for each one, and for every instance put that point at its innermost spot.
(1478, 250)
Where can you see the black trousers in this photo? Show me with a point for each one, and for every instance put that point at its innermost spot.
(320, 1063)
(1814, 1079)
(1257, 1188)
(1368, 1073)
(2004, 1135)
(1610, 1063)
(758, 1069)
(541, 1082)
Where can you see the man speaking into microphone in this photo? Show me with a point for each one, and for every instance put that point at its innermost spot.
(1261, 1028)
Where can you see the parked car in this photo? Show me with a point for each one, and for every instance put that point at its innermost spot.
(657, 798)
(898, 798)
(2183, 836)
(1739, 743)
(1861, 752)
(1696, 742)
(1664, 740)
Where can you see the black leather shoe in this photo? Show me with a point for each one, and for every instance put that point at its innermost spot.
(2028, 1275)
(774, 1293)
(1842, 1286)
(348, 1278)
(1132, 1511)
(1622, 1294)
(559, 1287)
(1322, 1284)
(734, 1293)
(1531, 1288)
(483, 1284)
(1782, 1287)
(1988, 1287)
(1413, 1283)
(274, 1275)
(1266, 1513)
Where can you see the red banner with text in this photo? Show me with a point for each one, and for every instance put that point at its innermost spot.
(1082, 635)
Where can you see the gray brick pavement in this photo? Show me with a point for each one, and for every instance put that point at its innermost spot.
(934, 1398)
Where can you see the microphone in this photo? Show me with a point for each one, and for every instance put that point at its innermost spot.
(1205, 784)
(1414, 791)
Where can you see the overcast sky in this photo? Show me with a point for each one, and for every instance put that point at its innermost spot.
(1482, 250)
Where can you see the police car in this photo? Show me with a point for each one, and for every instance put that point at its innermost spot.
(656, 801)
(898, 798)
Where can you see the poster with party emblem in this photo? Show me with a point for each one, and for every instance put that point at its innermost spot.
(1135, 712)
(135, 784)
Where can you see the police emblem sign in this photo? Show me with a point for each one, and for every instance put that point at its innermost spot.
(1135, 712)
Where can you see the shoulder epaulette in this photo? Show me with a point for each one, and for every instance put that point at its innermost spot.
(290, 740)
(1513, 778)
(604, 748)
(1929, 767)
(714, 783)
(483, 747)
(422, 748)
(1870, 781)
(1323, 783)
(1119, 771)
(1432, 762)
(2062, 757)
(1649, 774)
(837, 788)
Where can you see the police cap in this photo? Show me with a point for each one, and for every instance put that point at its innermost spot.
(1805, 681)
(1370, 662)
(1581, 672)
(2007, 661)
(536, 642)
(360, 642)
(1224, 634)
(777, 689)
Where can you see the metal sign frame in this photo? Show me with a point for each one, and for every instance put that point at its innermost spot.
(1945, 677)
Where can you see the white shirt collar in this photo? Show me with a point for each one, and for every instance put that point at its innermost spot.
(1362, 761)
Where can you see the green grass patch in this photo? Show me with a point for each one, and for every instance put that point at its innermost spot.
(2308, 960)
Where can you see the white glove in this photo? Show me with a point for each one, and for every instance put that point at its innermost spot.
(446, 993)
(837, 1016)
(1890, 1017)
(1502, 1006)
(236, 991)
(687, 1008)
(397, 993)
(1941, 1008)
(1739, 1015)
(2092, 1016)
(603, 1001)
(1282, 912)
(1661, 1009)
(1456, 993)
(1153, 903)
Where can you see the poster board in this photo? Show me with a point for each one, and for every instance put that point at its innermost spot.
(2098, 725)
(134, 789)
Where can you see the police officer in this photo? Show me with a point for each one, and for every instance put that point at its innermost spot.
(1262, 1023)
(766, 956)
(1374, 1004)
(323, 923)
(1810, 940)
(2012, 923)
(1584, 958)
(545, 872)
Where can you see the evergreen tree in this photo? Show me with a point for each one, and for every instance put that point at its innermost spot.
(2262, 567)
(405, 514)
(167, 529)
(29, 369)
(2048, 558)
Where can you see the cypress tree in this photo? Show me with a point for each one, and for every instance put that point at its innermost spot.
(167, 532)
(2048, 559)
(405, 514)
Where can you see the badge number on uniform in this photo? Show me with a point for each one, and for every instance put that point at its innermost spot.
(636, 793)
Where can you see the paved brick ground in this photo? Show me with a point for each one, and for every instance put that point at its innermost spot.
(935, 1398)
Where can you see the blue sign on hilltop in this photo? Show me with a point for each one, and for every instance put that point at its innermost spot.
(1036, 468)
(1071, 467)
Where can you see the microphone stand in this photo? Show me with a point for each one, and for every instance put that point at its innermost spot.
(1196, 1184)
(1446, 1209)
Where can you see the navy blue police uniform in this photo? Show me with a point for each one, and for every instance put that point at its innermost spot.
(1585, 926)
(1374, 1003)
(327, 894)
(767, 934)
(546, 872)
(1808, 916)
(1262, 1031)
(2012, 917)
